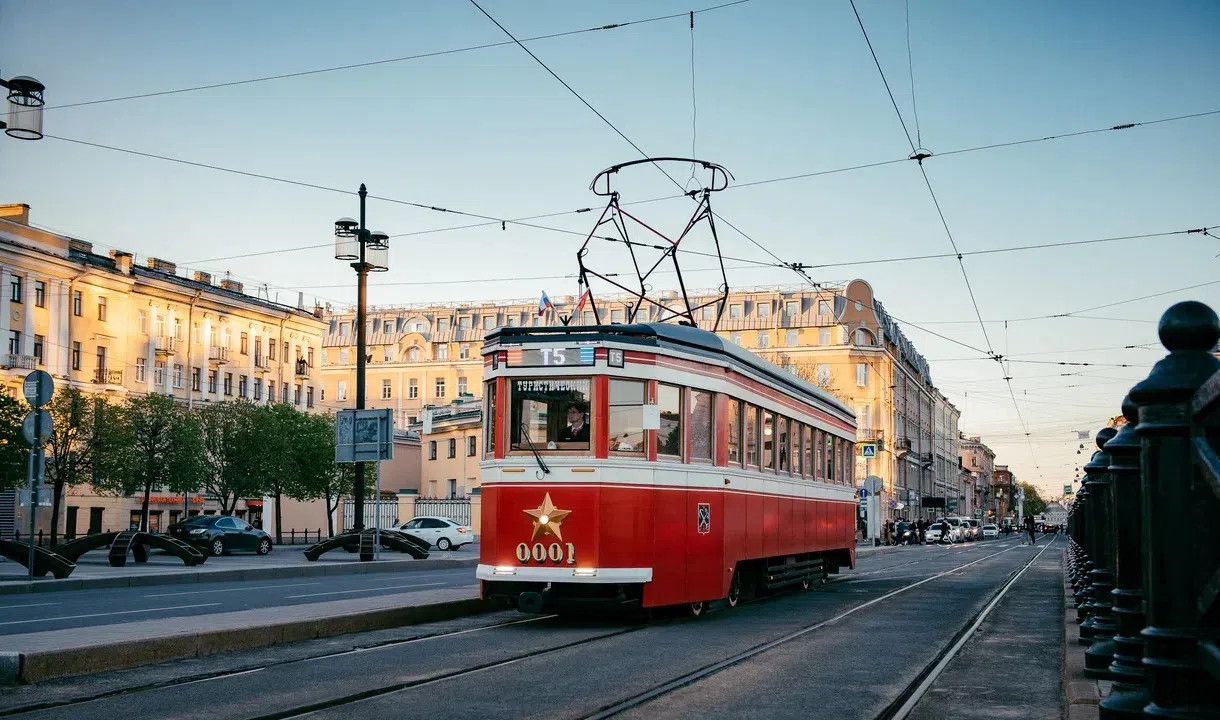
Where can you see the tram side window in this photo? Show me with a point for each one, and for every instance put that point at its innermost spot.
(807, 468)
(702, 423)
(781, 426)
(734, 422)
(627, 416)
(819, 446)
(768, 440)
(751, 436)
(831, 475)
(552, 414)
(669, 437)
(794, 443)
(489, 419)
(849, 462)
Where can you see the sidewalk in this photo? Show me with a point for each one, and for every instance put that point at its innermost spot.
(36, 657)
(94, 571)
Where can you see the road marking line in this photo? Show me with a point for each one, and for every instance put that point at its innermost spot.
(119, 612)
(18, 607)
(225, 676)
(257, 587)
(372, 589)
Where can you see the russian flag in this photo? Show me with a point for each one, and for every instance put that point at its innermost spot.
(543, 304)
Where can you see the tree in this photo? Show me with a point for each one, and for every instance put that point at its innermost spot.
(808, 371)
(14, 451)
(70, 447)
(231, 446)
(163, 449)
(1034, 504)
(286, 465)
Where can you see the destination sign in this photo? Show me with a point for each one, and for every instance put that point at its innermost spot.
(550, 357)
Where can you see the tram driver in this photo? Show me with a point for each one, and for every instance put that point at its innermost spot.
(577, 429)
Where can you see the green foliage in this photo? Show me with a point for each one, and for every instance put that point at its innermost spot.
(1034, 504)
(70, 447)
(14, 452)
(231, 449)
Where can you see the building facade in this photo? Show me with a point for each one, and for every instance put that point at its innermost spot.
(451, 446)
(837, 337)
(109, 325)
(1002, 482)
(979, 461)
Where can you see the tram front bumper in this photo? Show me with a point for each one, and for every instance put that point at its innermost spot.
(527, 574)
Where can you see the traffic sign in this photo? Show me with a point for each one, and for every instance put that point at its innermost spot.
(863, 493)
(38, 388)
(873, 484)
(28, 430)
(868, 450)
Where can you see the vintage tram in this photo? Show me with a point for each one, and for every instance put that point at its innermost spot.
(656, 465)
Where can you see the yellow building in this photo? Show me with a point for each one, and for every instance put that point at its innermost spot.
(838, 337)
(450, 448)
(110, 325)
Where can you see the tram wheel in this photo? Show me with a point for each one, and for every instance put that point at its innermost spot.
(697, 608)
(734, 595)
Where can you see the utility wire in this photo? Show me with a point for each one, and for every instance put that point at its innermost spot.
(694, 106)
(911, 71)
(385, 61)
(881, 72)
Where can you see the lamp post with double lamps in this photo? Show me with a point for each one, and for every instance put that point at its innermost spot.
(369, 251)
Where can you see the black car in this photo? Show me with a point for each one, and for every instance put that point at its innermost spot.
(219, 534)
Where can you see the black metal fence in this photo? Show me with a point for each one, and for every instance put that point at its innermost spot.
(457, 510)
(1144, 560)
(292, 536)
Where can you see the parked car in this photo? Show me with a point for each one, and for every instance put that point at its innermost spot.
(976, 531)
(220, 534)
(441, 532)
(990, 531)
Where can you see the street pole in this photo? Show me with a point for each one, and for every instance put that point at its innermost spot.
(362, 275)
(33, 493)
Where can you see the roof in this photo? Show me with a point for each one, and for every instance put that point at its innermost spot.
(668, 336)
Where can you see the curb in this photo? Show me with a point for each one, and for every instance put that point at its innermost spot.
(25, 668)
(271, 573)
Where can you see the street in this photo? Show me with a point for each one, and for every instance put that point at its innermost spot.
(851, 649)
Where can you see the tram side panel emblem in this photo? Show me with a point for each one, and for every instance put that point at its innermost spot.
(703, 518)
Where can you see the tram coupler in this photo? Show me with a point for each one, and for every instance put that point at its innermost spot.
(532, 602)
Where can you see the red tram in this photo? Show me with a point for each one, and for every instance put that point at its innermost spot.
(654, 465)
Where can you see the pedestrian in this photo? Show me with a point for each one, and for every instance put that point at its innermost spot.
(1029, 526)
(887, 532)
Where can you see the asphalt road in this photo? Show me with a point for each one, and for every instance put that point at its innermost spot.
(84, 608)
(847, 650)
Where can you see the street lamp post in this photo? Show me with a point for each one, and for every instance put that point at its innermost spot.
(370, 251)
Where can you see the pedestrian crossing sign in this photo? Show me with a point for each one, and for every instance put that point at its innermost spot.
(868, 450)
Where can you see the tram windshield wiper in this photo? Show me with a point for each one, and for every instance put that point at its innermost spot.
(525, 434)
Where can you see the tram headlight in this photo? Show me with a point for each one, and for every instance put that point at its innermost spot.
(584, 572)
(505, 570)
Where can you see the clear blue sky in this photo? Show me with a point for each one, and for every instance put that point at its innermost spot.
(782, 88)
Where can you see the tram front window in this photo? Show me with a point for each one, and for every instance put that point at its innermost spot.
(552, 414)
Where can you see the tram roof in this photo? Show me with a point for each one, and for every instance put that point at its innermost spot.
(669, 336)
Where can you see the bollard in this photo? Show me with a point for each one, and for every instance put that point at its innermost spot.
(1081, 585)
(292, 536)
(1176, 542)
(1099, 623)
(1129, 695)
(1100, 654)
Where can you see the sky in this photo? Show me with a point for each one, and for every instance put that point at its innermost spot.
(780, 88)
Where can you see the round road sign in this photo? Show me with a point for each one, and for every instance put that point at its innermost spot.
(27, 427)
(38, 388)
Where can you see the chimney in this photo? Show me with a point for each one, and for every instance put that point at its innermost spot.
(231, 285)
(205, 278)
(300, 300)
(164, 266)
(17, 212)
(122, 261)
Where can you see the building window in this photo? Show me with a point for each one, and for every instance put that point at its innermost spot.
(489, 322)
(824, 336)
(764, 340)
(270, 391)
(735, 311)
(178, 375)
(412, 354)
(244, 347)
(823, 307)
(386, 390)
(76, 303)
(101, 309)
(38, 348)
(14, 342)
(340, 391)
(212, 377)
(764, 309)
(242, 385)
(15, 284)
(101, 359)
(792, 308)
(863, 337)
(343, 356)
(142, 318)
(442, 325)
(616, 316)
(195, 379)
(40, 293)
(464, 322)
(296, 394)
(160, 325)
(387, 326)
(464, 351)
(735, 338)
(440, 388)
(76, 356)
(441, 352)
(452, 447)
(472, 446)
(431, 449)
(461, 387)
(228, 383)
(177, 328)
(862, 374)
(195, 334)
(412, 388)
(792, 338)
(309, 396)
(285, 349)
(284, 392)
(159, 373)
(258, 388)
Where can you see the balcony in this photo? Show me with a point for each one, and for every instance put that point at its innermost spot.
(166, 345)
(103, 376)
(20, 362)
(218, 355)
(302, 368)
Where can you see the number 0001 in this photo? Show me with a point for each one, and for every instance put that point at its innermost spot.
(541, 553)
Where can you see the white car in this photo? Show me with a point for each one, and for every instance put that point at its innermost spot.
(439, 532)
(976, 532)
(933, 533)
(958, 533)
(990, 531)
